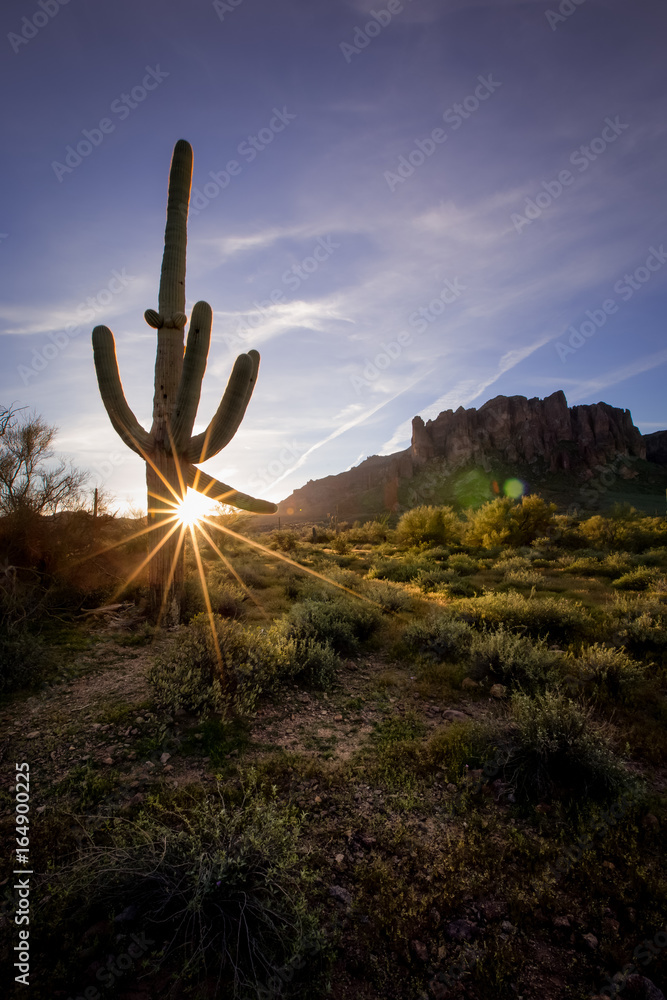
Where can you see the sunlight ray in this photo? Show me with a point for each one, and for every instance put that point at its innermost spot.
(231, 569)
(291, 562)
(207, 599)
(172, 570)
(145, 562)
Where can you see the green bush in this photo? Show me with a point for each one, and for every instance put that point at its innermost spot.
(641, 623)
(429, 525)
(390, 596)
(551, 748)
(640, 578)
(203, 672)
(463, 564)
(605, 673)
(514, 660)
(441, 637)
(505, 521)
(398, 570)
(342, 623)
(219, 884)
(285, 540)
(556, 617)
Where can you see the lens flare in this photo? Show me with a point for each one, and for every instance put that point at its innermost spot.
(513, 488)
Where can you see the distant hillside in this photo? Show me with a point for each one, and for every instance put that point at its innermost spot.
(589, 456)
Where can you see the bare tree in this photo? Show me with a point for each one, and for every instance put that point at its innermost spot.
(32, 479)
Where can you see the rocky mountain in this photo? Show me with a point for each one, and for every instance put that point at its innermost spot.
(545, 440)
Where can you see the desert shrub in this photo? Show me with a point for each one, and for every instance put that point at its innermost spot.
(641, 623)
(440, 637)
(653, 557)
(507, 562)
(340, 544)
(371, 532)
(398, 570)
(226, 597)
(429, 525)
(555, 617)
(284, 540)
(637, 579)
(312, 663)
(604, 673)
(390, 596)
(432, 579)
(342, 623)
(514, 660)
(523, 578)
(459, 587)
(226, 672)
(551, 747)
(462, 564)
(625, 528)
(218, 884)
(505, 521)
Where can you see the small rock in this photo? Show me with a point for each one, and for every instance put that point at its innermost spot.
(461, 930)
(493, 910)
(507, 926)
(438, 990)
(468, 682)
(651, 821)
(610, 925)
(590, 940)
(340, 894)
(453, 715)
(32, 736)
(451, 787)
(561, 922)
(129, 913)
(498, 691)
(640, 988)
(139, 721)
(169, 767)
(420, 950)
(164, 758)
(108, 760)
(543, 807)
(434, 916)
(340, 858)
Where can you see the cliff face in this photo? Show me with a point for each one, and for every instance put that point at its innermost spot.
(526, 430)
(508, 429)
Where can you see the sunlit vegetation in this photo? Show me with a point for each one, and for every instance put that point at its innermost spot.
(402, 743)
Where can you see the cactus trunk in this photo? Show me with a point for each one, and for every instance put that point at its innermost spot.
(170, 450)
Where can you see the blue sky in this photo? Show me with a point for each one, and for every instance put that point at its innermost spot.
(430, 203)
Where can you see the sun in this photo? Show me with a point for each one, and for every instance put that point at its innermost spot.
(192, 508)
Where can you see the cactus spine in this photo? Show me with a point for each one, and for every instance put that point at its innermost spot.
(169, 449)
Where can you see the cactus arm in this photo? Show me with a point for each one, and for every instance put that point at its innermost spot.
(121, 416)
(194, 366)
(229, 415)
(215, 490)
(171, 298)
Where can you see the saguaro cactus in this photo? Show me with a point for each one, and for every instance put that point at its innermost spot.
(169, 449)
